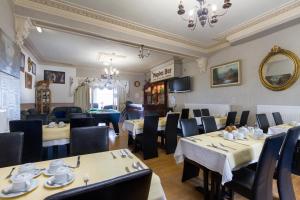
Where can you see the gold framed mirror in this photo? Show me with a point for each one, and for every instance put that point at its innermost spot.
(280, 69)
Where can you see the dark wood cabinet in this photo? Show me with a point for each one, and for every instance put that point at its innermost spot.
(156, 98)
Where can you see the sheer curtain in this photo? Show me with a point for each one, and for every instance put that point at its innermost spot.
(82, 97)
(122, 94)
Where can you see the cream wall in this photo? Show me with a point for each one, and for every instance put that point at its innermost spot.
(135, 93)
(251, 92)
(60, 93)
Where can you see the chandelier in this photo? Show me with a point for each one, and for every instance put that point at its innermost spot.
(111, 74)
(203, 13)
(142, 54)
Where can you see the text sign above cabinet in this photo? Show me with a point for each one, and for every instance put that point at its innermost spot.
(165, 71)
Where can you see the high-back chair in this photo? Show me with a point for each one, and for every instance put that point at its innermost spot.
(132, 186)
(277, 118)
(170, 133)
(209, 124)
(263, 122)
(185, 113)
(244, 118)
(257, 185)
(11, 146)
(284, 166)
(32, 142)
(189, 127)
(197, 113)
(205, 112)
(230, 118)
(82, 122)
(80, 115)
(86, 140)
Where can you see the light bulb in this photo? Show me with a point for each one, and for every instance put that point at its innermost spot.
(106, 71)
(39, 29)
(214, 7)
(191, 12)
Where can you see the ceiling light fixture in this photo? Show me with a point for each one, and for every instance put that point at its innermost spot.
(204, 13)
(39, 29)
(142, 54)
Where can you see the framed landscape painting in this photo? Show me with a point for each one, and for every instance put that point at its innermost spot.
(228, 74)
(54, 76)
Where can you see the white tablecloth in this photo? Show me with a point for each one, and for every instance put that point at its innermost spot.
(273, 130)
(246, 152)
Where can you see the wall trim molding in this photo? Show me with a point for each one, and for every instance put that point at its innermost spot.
(72, 11)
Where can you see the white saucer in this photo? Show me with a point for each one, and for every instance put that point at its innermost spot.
(36, 173)
(47, 173)
(34, 184)
(59, 185)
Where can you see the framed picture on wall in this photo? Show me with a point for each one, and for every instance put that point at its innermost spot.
(22, 61)
(33, 70)
(228, 74)
(28, 80)
(54, 76)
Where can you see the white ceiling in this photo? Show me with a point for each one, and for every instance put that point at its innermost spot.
(162, 14)
(82, 51)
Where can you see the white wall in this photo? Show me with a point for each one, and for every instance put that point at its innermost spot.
(136, 94)
(251, 92)
(9, 86)
(60, 93)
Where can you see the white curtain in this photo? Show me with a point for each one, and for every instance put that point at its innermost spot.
(82, 97)
(122, 92)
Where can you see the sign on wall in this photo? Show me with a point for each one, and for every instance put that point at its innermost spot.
(163, 71)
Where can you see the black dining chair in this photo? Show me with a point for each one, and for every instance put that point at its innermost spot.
(148, 139)
(197, 113)
(284, 166)
(205, 112)
(43, 117)
(33, 138)
(263, 122)
(230, 118)
(82, 122)
(169, 135)
(80, 115)
(257, 185)
(108, 107)
(277, 118)
(86, 140)
(11, 147)
(133, 115)
(209, 124)
(189, 127)
(185, 113)
(132, 186)
(244, 118)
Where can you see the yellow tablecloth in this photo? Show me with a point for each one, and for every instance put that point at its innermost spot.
(239, 152)
(56, 133)
(98, 166)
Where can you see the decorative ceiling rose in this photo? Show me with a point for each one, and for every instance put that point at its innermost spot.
(142, 54)
(204, 13)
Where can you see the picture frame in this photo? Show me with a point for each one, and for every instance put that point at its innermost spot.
(22, 60)
(28, 80)
(10, 56)
(55, 76)
(227, 74)
(33, 68)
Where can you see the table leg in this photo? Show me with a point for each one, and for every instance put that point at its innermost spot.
(190, 170)
(216, 191)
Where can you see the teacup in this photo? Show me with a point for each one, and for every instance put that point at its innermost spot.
(51, 125)
(28, 167)
(293, 123)
(228, 136)
(21, 182)
(62, 175)
(54, 165)
(240, 135)
(61, 124)
(258, 133)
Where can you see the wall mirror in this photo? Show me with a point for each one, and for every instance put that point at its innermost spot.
(279, 70)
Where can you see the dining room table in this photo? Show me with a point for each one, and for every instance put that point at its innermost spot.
(135, 126)
(273, 130)
(220, 155)
(93, 168)
(56, 135)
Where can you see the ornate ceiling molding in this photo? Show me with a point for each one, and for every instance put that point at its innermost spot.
(282, 13)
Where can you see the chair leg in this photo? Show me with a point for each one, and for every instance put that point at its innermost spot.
(189, 171)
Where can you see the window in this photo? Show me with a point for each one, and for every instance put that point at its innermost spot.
(103, 97)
